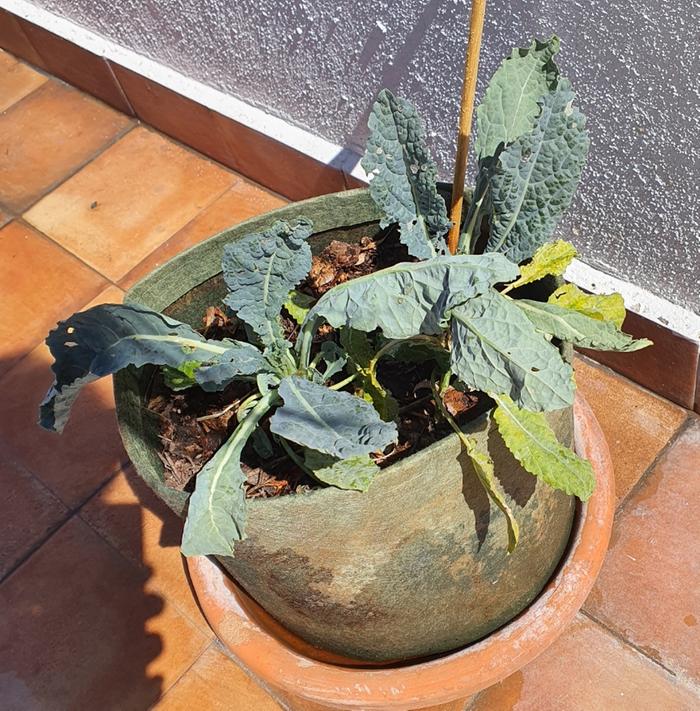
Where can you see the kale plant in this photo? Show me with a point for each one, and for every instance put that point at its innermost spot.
(460, 312)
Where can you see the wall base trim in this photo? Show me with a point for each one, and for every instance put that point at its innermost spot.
(299, 164)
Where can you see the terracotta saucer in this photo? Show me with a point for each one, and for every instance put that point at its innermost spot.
(308, 678)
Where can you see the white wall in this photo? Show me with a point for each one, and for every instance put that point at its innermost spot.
(634, 64)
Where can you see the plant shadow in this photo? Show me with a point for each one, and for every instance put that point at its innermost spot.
(82, 627)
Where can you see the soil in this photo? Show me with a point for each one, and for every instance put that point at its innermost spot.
(193, 424)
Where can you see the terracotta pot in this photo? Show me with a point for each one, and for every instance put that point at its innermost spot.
(415, 566)
(307, 680)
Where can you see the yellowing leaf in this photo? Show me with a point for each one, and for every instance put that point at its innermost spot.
(550, 259)
(604, 307)
(483, 466)
(355, 473)
(298, 304)
(531, 440)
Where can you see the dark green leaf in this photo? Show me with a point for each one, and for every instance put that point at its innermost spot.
(260, 271)
(536, 177)
(495, 348)
(403, 176)
(332, 422)
(109, 337)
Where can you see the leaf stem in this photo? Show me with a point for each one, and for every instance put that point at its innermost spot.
(471, 66)
(466, 239)
(246, 405)
(305, 341)
(343, 383)
(297, 459)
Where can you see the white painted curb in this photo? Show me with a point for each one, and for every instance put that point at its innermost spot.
(639, 300)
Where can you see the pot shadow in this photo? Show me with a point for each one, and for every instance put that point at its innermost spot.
(518, 484)
(81, 625)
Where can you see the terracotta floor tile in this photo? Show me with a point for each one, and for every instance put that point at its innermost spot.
(155, 545)
(16, 80)
(242, 201)
(215, 683)
(48, 136)
(588, 670)
(636, 423)
(128, 201)
(75, 463)
(649, 589)
(47, 285)
(28, 511)
(79, 629)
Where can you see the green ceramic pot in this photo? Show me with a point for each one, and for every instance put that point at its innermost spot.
(413, 567)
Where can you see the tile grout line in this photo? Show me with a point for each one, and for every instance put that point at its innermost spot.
(17, 102)
(71, 512)
(142, 567)
(679, 678)
(277, 696)
(646, 474)
(119, 86)
(165, 692)
(133, 123)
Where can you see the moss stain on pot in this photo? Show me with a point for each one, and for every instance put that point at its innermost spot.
(415, 566)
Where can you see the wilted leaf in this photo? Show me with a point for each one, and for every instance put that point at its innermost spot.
(577, 328)
(336, 423)
(411, 298)
(403, 176)
(604, 307)
(354, 473)
(536, 177)
(551, 258)
(261, 269)
(495, 348)
(531, 440)
(510, 106)
(109, 337)
(483, 466)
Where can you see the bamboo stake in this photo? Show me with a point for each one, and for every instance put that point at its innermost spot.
(471, 66)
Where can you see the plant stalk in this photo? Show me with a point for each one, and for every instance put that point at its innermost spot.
(471, 66)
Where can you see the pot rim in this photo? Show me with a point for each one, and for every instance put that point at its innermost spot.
(451, 676)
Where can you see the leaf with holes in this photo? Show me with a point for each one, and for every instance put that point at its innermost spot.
(109, 337)
(604, 307)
